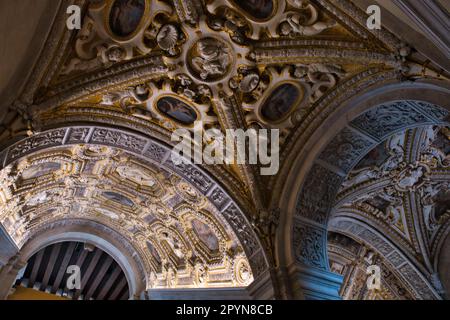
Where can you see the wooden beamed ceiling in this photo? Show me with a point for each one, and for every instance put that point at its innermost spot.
(101, 277)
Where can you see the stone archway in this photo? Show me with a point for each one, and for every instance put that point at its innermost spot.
(337, 145)
(151, 151)
(82, 230)
(410, 274)
(441, 259)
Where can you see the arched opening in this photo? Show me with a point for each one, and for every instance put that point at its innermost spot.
(74, 270)
(172, 226)
(395, 201)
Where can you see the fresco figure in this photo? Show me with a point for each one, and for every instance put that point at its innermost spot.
(206, 234)
(177, 110)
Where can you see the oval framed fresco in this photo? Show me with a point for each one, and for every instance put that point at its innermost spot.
(257, 10)
(205, 235)
(119, 198)
(177, 110)
(281, 101)
(126, 17)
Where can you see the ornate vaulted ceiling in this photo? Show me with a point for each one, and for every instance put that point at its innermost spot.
(401, 188)
(411, 166)
(90, 135)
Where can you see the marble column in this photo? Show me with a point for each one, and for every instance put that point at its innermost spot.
(310, 276)
(315, 284)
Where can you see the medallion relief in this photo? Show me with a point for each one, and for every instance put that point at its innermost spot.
(210, 59)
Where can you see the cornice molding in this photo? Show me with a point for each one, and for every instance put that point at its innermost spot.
(431, 18)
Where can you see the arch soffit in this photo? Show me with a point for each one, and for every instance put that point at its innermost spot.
(309, 163)
(159, 154)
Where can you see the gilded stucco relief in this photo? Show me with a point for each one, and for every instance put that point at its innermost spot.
(93, 132)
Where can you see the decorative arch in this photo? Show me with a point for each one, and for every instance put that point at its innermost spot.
(103, 237)
(321, 163)
(156, 153)
(404, 264)
(82, 230)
